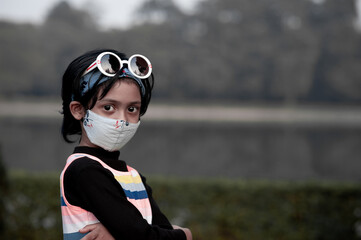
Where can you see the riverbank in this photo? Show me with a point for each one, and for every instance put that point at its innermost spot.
(237, 113)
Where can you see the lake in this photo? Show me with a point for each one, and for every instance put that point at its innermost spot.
(196, 148)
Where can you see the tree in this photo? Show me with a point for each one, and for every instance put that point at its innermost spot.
(64, 16)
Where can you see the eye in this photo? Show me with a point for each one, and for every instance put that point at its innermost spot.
(108, 107)
(132, 109)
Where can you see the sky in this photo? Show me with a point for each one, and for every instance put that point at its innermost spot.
(111, 13)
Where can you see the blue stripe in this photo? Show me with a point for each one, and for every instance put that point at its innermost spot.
(62, 202)
(136, 195)
(74, 236)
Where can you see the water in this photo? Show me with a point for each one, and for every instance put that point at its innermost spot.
(216, 149)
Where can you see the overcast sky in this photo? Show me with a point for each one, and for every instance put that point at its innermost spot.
(111, 13)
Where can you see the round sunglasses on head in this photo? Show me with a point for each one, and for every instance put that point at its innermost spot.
(109, 64)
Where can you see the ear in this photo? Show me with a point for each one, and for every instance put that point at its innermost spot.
(77, 110)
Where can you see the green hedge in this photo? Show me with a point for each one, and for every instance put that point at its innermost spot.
(33, 207)
(212, 208)
(3, 192)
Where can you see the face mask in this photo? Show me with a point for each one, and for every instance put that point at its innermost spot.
(109, 134)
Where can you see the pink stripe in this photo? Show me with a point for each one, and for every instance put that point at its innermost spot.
(73, 219)
(143, 205)
(79, 218)
(66, 211)
(145, 212)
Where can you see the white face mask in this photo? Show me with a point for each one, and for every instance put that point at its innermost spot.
(107, 133)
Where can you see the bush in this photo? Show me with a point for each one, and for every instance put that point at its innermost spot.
(211, 208)
(3, 191)
(33, 207)
(220, 209)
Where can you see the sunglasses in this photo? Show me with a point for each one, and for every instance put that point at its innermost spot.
(109, 64)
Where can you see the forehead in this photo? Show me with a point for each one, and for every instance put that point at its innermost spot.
(123, 89)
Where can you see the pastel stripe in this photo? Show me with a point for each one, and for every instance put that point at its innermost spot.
(75, 227)
(136, 195)
(75, 218)
(71, 228)
(133, 186)
(144, 203)
(74, 236)
(68, 212)
(127, 179)
(143, 206)
(62, 202)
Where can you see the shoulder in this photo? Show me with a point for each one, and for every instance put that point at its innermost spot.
(85, 171)
(85, 167)
(83, 163)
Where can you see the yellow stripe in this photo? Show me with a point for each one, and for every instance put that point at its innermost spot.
(128, 179)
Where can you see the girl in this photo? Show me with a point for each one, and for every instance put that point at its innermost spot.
(104, 95)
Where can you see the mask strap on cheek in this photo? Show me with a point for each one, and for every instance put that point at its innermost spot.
(85, 114)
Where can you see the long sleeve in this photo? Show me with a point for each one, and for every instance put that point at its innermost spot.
(90, 186)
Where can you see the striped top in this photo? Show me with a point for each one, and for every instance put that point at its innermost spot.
(74, 218)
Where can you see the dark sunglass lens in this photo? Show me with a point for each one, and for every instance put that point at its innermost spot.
(139, 66)
(110, 64)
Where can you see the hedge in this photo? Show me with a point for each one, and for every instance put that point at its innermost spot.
(212, 208)
(3, 192)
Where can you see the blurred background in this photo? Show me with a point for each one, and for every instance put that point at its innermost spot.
(266, 89)
(253, 132)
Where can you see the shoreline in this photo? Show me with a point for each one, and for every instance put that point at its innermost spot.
(256, 114)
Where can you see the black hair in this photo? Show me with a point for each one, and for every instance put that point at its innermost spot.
(71, 90)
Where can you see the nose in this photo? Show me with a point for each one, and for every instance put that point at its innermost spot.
(121, 115)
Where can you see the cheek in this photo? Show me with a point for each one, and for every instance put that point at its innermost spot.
(133, 118)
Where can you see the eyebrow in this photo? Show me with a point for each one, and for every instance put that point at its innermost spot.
(115, 101)
(136, 102)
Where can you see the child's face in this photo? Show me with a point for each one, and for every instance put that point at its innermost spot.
(122, 102)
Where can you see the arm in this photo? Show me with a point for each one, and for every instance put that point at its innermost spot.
(187, 232)
(98, 232)
(88, 185)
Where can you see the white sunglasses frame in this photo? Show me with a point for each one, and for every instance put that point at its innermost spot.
(97, 64)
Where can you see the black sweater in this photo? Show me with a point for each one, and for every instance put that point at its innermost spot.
(90, 186)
